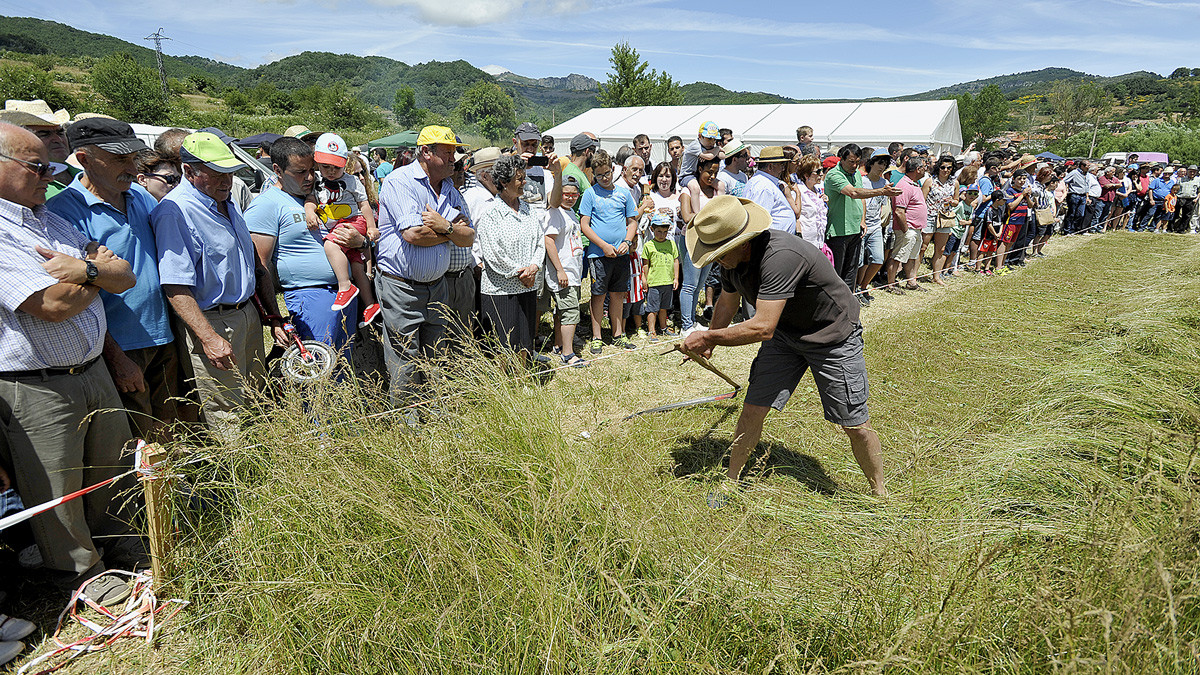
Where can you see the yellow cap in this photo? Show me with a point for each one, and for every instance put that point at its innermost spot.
(435, 135)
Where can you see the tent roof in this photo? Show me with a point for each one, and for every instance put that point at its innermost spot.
(403, 139)
(933, 123)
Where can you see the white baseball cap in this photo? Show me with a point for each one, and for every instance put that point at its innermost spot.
(331, 149)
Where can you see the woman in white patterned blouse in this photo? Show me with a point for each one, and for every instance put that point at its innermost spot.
(513, 248)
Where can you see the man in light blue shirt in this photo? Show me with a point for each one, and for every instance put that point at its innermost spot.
(420, 214)
(105, 205)
(282, 240)
(764, 188)
(208, 269)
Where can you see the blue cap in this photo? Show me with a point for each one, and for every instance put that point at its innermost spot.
(1133, 167)
(973, 187)
(660, 220)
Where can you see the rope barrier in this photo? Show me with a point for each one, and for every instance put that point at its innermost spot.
(142, 616)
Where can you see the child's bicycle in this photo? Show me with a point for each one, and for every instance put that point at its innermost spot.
(301, 361)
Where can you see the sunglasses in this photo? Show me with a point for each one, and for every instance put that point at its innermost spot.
(42, 169)
(169, 179)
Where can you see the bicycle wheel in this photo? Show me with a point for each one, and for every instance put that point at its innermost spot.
(318, 365)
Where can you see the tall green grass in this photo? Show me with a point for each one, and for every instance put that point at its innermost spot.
(1040, 433)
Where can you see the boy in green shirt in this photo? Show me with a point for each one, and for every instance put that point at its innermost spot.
(660, 275)
(958, 234)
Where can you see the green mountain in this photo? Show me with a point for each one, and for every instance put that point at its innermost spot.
(1030, 82)
(374, 79)
(706, 93)
(37, 36)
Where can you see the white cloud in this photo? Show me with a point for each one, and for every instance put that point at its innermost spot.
(482, 12)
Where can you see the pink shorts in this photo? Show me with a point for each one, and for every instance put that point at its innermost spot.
(359, 223)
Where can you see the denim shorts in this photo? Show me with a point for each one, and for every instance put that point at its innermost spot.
(873, 247)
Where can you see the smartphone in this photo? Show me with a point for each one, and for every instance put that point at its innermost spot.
(538, 160)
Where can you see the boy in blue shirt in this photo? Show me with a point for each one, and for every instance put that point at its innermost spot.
(608, 219)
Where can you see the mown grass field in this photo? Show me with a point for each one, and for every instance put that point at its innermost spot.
(1040, 435)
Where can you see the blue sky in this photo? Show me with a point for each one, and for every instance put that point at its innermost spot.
(798, 49)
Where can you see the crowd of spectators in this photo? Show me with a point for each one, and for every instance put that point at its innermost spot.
(131, 270)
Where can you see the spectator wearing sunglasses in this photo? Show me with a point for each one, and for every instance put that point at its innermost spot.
(157, 173)
(105, 204)
(62, 423)
(35, 116)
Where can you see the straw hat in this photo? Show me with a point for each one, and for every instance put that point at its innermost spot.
(771, 153)
(1026, 161)
(724, 223)
(40, 109)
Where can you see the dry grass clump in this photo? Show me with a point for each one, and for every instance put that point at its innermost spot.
(1040, 433)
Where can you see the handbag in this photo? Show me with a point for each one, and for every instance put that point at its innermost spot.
(946, 221)
(1046, 216)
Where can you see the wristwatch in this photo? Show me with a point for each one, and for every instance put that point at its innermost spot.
(92, 271)
(449, 229)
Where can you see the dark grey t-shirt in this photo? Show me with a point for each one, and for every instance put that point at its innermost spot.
(820, 309)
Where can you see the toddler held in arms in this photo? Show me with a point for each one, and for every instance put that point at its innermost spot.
(340, 199)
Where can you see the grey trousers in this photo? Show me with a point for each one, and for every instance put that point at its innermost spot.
(223, 392)
(55, 448)
(413, 324)
(460, 303)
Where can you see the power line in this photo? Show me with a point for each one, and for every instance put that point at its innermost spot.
(158, 37)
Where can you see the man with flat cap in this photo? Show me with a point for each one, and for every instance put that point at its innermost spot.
(106, 204)
(208, 269)
(805, 317)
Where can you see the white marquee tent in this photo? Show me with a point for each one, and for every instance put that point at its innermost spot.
(932, 123)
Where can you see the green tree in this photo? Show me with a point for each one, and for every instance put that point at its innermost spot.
(1192, 103)
(341, 110)
(1076, 107)
(982, 116)
(633, 82)
(130, 91)
(1181, 72)
(486, 106)
(408, 115)
(25, 83)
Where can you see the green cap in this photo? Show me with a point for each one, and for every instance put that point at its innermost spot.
(205, 148)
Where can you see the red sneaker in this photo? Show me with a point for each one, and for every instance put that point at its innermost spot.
(344, 298)
(369, 315)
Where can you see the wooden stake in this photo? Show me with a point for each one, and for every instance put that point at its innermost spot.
(158, 512)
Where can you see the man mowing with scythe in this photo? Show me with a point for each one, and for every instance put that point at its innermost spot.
(805, 316)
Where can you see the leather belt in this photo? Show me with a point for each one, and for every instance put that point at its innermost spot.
(43, 373)
(228, 308)
(406, 280)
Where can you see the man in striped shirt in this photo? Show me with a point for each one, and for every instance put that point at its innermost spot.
(67, 428)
